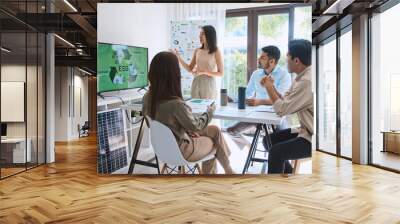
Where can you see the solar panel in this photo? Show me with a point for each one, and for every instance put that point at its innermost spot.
(111, 141)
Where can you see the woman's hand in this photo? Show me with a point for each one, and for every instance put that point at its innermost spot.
(175, 52)
(211, 108)
(196, 73)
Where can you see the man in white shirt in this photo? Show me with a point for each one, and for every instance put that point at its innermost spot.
(256, 94)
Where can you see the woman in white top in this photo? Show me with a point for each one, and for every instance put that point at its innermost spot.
(205, 65)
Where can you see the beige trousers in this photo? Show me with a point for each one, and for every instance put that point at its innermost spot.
(211, 141)
(204, 87)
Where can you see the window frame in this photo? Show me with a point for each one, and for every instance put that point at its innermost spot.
(252, 27)
(370, 151)
(334, 37)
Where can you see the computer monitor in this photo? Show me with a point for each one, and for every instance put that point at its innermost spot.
(3, 129)
(121, 67)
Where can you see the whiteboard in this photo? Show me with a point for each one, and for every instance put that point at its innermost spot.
(12, 101)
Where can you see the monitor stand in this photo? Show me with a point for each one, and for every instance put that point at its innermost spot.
(100, 95)
(143, 88)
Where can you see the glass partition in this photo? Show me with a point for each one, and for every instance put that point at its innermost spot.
(23, 88)
(327, 96)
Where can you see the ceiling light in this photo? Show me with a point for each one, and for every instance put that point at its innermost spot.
(84, 71)
(70, 5)
(338, 6)
(64, 40)
(5, 50)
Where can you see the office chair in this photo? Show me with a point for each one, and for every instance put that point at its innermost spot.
(84, 130)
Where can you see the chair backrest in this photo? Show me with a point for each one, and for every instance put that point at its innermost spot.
(164, 144)
(86, 125)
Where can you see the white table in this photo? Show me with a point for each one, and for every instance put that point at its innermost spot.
(18, 149)
(231, 112)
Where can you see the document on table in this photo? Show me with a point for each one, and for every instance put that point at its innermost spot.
(204, 102)
(264, 108)
(231, 112)
(199, 105)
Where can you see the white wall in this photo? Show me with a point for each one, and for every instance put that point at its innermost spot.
(33, 126)
(61, 103)
(141, 24)
(79, 117)
(17, 73)
(67, 111)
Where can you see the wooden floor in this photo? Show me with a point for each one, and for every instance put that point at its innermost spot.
(386, 159)
(70, 191)
(10, 171)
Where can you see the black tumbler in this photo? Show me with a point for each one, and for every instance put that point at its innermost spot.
(242, 98)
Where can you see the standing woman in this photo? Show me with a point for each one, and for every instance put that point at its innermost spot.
(206, 64)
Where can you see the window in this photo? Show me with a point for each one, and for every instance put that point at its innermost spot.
(346, 94)
(327, 96)
(302, 23)
(273, 29)
(385, 85)
(248, 30)
(335, 74)
(235, 54)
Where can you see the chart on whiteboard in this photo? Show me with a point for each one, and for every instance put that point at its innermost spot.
(185, 38)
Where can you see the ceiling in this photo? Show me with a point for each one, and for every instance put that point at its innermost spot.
(330, 15)
(76, 22)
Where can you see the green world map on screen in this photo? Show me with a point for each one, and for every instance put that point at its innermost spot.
(121, 67)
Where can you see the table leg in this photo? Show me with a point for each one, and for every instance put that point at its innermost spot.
(265, 127)
(158, 166)
(253, 147)
(268, 137)
(137, 147)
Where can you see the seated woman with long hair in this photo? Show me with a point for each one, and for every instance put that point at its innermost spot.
(163, 102)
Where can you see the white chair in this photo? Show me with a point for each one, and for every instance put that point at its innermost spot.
(167, 150)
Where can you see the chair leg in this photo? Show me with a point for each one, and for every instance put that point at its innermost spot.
(164, 168)
(296, 166)
(198, 168)
(182, 169)
(283, 174)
